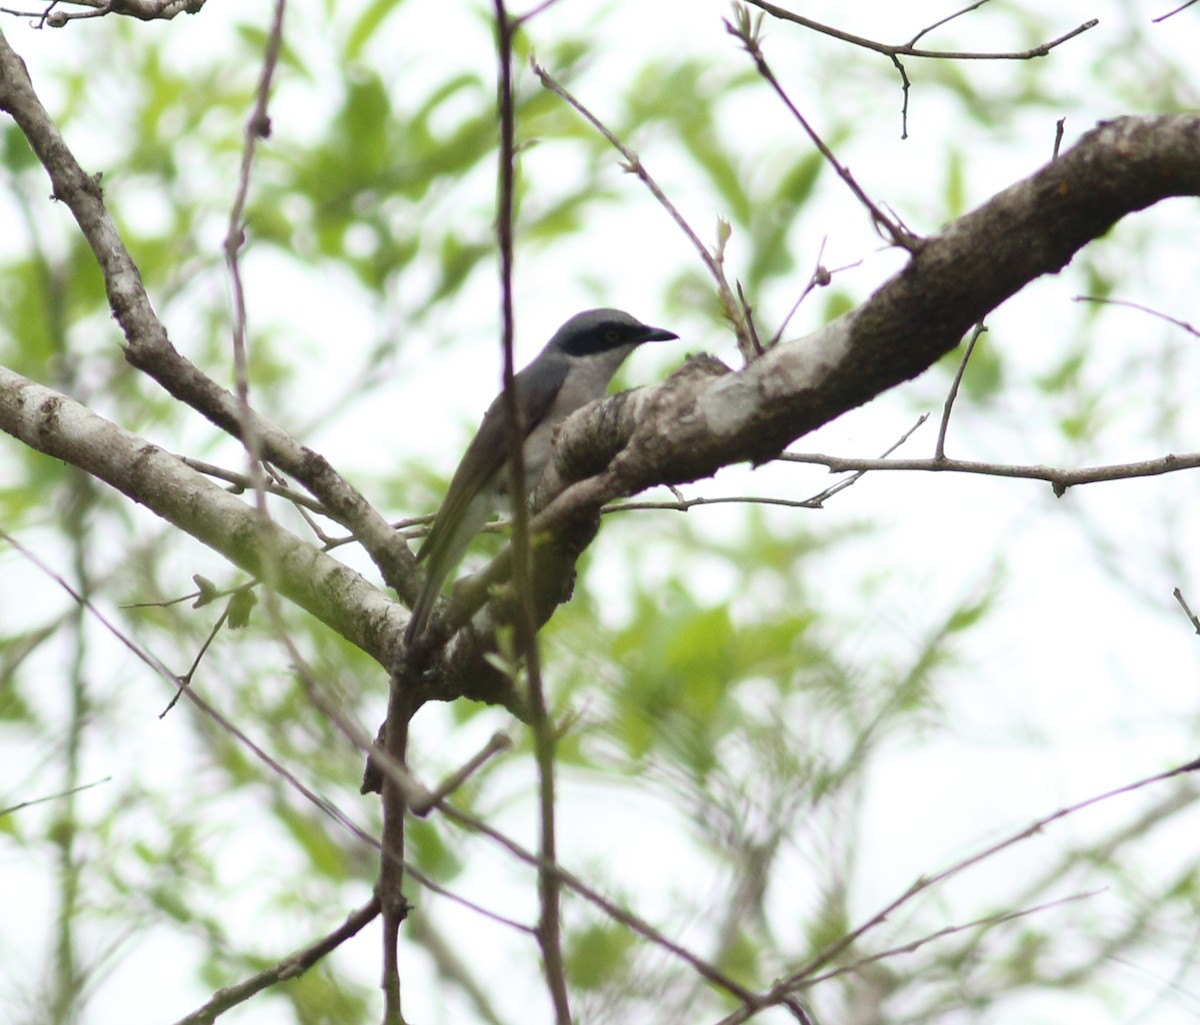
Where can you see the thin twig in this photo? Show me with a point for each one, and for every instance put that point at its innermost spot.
(1059, 131)
(805, 974)
(258, 126)
(322, 804)
(549, 928)
(627, 918)
(289, 968)
(1190, 329)
(820, 277)
(497, 743)
(950, 930)
(634, 165)
(894, 51)
(939, 449)
(909, 50)
(747, 32)
(185, 679)
(156, 664)
(53, 797)
(518, 20)
(946, 20)
(1059, 479)
(683, 504)
(1186, 608)
(818, 500)
(748, 315)
(241, 482)
(1171, 14)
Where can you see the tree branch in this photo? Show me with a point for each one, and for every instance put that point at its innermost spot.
(50, 422)
(910, 49)
(290, 967)
(549, 927)
(1059, 479)
(706, 416)
(694, 424)
(56, 16)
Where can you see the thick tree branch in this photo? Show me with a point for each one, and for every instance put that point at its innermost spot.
(706, 417)
(337, 595)
(56, 15)
(695, 425)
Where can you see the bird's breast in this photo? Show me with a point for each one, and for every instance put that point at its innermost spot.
(588, 379)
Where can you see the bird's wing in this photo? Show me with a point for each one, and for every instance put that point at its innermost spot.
(488, 451)
(462, 512)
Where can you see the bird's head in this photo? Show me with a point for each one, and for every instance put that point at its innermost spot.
(596, 331)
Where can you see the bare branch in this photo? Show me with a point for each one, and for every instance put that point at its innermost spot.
(1059, 479)
(634, 165)
(51, 797)
(640, 926)
(518, 20)
(939, 449)
(809, 974)
(682, 504)
(549, 930)
(946, 20)
(910, 49)
(820, 278)
(54, 16)
(747, 32)
(821, 498)
(1142, 309)
(49, 422)
(895, 51)
(497, 743)
(806, 975)
(1187, 609)
(325, 806)
(242, 483)
(289, 968)
(950, 930)
(155, 664)
(1171, 14)
(258, 126)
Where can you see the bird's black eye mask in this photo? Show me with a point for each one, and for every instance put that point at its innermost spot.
(612, 336)
(600, 339)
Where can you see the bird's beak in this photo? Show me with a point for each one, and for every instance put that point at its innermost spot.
(658, 334)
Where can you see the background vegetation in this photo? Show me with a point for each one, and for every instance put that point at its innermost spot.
(776, 718)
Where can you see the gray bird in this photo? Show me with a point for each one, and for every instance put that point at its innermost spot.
(574, 368)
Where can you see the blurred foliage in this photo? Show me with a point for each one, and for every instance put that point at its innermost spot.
(733, 694)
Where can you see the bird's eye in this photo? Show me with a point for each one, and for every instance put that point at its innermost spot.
(610, 335)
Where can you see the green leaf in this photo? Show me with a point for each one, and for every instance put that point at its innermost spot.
(241, 602)
(208, 591)
(598, 955)
(365, 27)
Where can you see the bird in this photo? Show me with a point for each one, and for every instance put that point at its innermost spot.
(574, 368)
